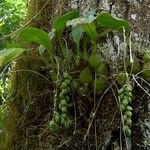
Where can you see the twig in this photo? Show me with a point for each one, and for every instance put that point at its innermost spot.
(140, 85)
(93, 115)
(75, 116)
(94, 109)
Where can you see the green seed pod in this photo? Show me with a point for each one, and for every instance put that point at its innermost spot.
(67, 123)
(51, 123)
(60, 106)
(125, 118)
(129, 108)
(67, 81)
(63, 118)
(61, 95)
(67, 98)
(125, 102)
(128, 113)
(64, 102)
(129, 94)
(120, 91)
(121, 96)
(127, 130)
(64, 92)
(94, 61)
(57, 117)
(63, 85)
(64, 109)
(129, 122)
(53, 126)
(122, 107)
(128, 88)
(68, 89)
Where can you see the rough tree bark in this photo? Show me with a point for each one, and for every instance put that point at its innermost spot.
(33, 93)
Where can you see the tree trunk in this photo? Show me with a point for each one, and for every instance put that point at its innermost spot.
(32, 103)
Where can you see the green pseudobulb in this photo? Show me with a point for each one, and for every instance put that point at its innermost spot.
(146, 71)
(102, 69)
(146, 57)
(85, 76)
(121, 79)
(94, 61)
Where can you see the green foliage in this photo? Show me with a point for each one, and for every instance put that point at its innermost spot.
(36, 35)
(7, 55)
(125, 97)
(94, 61)
(107, 20)
(12, 14)
(60, 22)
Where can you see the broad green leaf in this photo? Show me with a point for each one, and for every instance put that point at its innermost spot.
(60, 23)
(7, 55)
(87, 24)
(77, 22)
(80, 21)
(107, 20)
(42, 49)
(36, 35)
